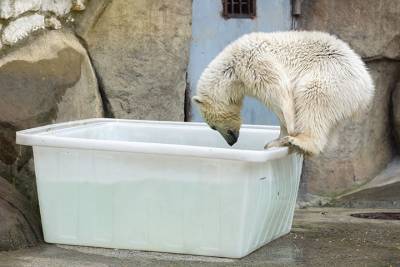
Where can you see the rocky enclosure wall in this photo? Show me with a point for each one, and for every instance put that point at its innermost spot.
(359, 149)
(64, 60)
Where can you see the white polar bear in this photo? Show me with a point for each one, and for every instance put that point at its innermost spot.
(310, 80)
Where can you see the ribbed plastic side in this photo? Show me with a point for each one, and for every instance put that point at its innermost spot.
(272, 199)
(164, 203)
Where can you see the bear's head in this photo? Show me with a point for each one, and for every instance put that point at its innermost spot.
(222, 117)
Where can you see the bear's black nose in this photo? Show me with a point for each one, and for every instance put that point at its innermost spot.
(231, 137)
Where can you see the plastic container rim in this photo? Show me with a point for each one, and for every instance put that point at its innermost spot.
(39, 137)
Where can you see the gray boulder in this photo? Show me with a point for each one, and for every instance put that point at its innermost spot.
(396, 112)
(359, 149)
(370, 27)
(48, 80)
(20, 225)
(380, 192)
(140, 50)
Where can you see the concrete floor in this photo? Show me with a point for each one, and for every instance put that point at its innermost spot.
(320, 237)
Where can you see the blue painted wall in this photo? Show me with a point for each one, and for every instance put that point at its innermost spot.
(211, 33)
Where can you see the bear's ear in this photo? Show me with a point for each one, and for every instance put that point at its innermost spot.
(197, 100)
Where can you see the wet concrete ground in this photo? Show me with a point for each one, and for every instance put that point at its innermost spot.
(320, 237)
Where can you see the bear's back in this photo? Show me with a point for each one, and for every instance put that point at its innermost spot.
(300, 48)
(305, 52)
(309, 57)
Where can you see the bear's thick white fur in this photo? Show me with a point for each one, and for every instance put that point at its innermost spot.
(310, 80)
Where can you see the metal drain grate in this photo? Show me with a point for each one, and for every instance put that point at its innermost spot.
(378, 215)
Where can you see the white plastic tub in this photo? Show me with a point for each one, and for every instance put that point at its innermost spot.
(162, 186)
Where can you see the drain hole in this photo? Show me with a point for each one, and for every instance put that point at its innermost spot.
(378, 215)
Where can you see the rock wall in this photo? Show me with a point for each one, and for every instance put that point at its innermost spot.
(21, 18)
(64, 60)
(48, 80)
(140, 50)
(358, 149)
(19, 223)
(396, 113)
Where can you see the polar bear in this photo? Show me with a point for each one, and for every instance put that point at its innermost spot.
(310, 80)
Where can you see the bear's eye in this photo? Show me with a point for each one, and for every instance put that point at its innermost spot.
(213, 127)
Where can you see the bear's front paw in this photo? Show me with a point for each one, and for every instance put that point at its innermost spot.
(293, 145)
(274, 143)
(286, 141)
(280, 142)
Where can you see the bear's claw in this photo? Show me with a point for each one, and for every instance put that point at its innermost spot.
(288, 141)
(280, 142)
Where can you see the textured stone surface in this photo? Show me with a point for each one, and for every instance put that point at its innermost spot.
(23, 17)
(370, 26)
(6, 9)
(58, 7)
(14, 8)
(85, 21)
(140, 52)
(358, 149)
(78, 5)
(53, 23)
(19, 224)
(380, 192)
(396, 113)
(20, 28)
(49, 80)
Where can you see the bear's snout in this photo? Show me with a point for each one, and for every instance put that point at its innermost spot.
(231, 136)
